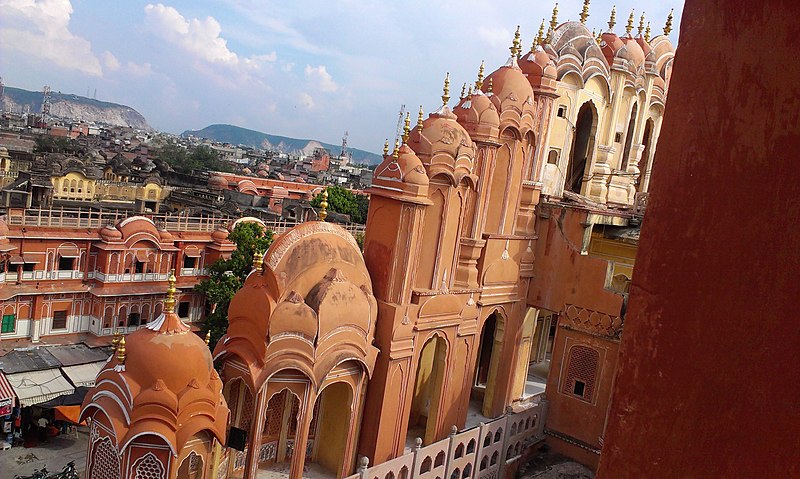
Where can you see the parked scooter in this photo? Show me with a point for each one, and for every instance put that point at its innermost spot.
(68, 472)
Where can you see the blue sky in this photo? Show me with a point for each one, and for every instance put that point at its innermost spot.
(308, 69)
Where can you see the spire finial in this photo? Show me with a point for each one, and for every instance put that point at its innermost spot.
(169, 303)
(629, 25)
(386, 147)
(463, 91)
(121, 350)
(647, 33)
(613, 20)
(641, 26)
(469, 93)
(554, 19)
(585, 11)
(258, 261)
(446, 90)
(479, 81)
(419, 123)
(489, 86)
(396, 152)
(539, 37)
(668, 25)
(406, 127)
(208, 337)
(323, 212)
(115, 341)
(514, 48)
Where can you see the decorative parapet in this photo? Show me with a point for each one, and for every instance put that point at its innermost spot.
(591, 322)
(484, 451)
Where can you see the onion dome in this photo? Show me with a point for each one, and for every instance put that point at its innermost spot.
(401, 175)
(220, 235)
(477, 114)
(441, 143)
(511, 90)
(173, 397)
(635, 53)
(217, 182)
(110, 234)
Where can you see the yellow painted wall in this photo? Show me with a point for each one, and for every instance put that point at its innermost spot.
(74, 186)
(333, 428)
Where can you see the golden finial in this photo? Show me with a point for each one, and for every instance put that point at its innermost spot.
(629, 26)
(115, 341)
(169, 303)
(647, 33)
(469, 93)
(479, 81)
(489, 86)
(121, 350)
(613, 20)
(514, 48)
(446, 90)
(258, 260)
(208, 337)
(323, 212)
(641, 26)
(463, 91)
(407, 127)
(539, 37)
(585, 11)
(386, 147)
(396, 152)
(554, 19)
(668, 25)
(419, 120)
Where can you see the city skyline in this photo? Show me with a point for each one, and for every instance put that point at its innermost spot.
(307, 71)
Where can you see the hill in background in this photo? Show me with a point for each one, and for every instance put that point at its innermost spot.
(242, 136)
(66, 105)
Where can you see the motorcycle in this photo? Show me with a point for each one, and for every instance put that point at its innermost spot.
(68, 472)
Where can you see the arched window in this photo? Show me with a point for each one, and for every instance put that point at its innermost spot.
(105, 461)
(626, 152)
(582, 148)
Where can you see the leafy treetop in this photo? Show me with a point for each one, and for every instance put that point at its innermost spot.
(341, 200)
(226, 276)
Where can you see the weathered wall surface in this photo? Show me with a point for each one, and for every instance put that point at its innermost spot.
(707, 381)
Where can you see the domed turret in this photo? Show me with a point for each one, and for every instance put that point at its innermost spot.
(512, 95)
(478, 115)
(109, 233)
(142, 404)
(217, 182)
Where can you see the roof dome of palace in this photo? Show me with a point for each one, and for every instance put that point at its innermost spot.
(217, 182)
(406, 167)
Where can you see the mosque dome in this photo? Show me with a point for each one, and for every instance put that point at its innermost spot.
(538, 64)
(479, 117)
(110, 233)
(217, 182)
(635, 53)
(610, 44)
(509, 88)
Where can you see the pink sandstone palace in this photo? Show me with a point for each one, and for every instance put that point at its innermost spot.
(482, 318)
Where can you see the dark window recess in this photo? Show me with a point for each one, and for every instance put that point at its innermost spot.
(562, 112)
(59, 320)
(618, 137)
(183, 309)
(134, 319)
(579, 388)
(66, 264)
(189, 262)
(139, 267)
(28, 267)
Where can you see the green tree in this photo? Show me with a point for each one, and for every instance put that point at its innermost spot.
(226, 276)
(198, 158)
(341, 200)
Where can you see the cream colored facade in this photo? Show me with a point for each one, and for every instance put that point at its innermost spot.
(74, 185)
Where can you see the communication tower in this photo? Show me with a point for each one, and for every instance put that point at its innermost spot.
(46, 103)
(399, 128)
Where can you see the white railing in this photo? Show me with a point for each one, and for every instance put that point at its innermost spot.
(127, 277)
(84, 218)
(482, 452)
(193, 272)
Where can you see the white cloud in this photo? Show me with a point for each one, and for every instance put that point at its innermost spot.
(40, 28)
(306, 100)
(287, 67)
(321, 79)
(110, 61)
(201, 38)
(135, 69)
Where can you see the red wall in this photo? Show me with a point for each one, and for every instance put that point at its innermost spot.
(709, 374)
